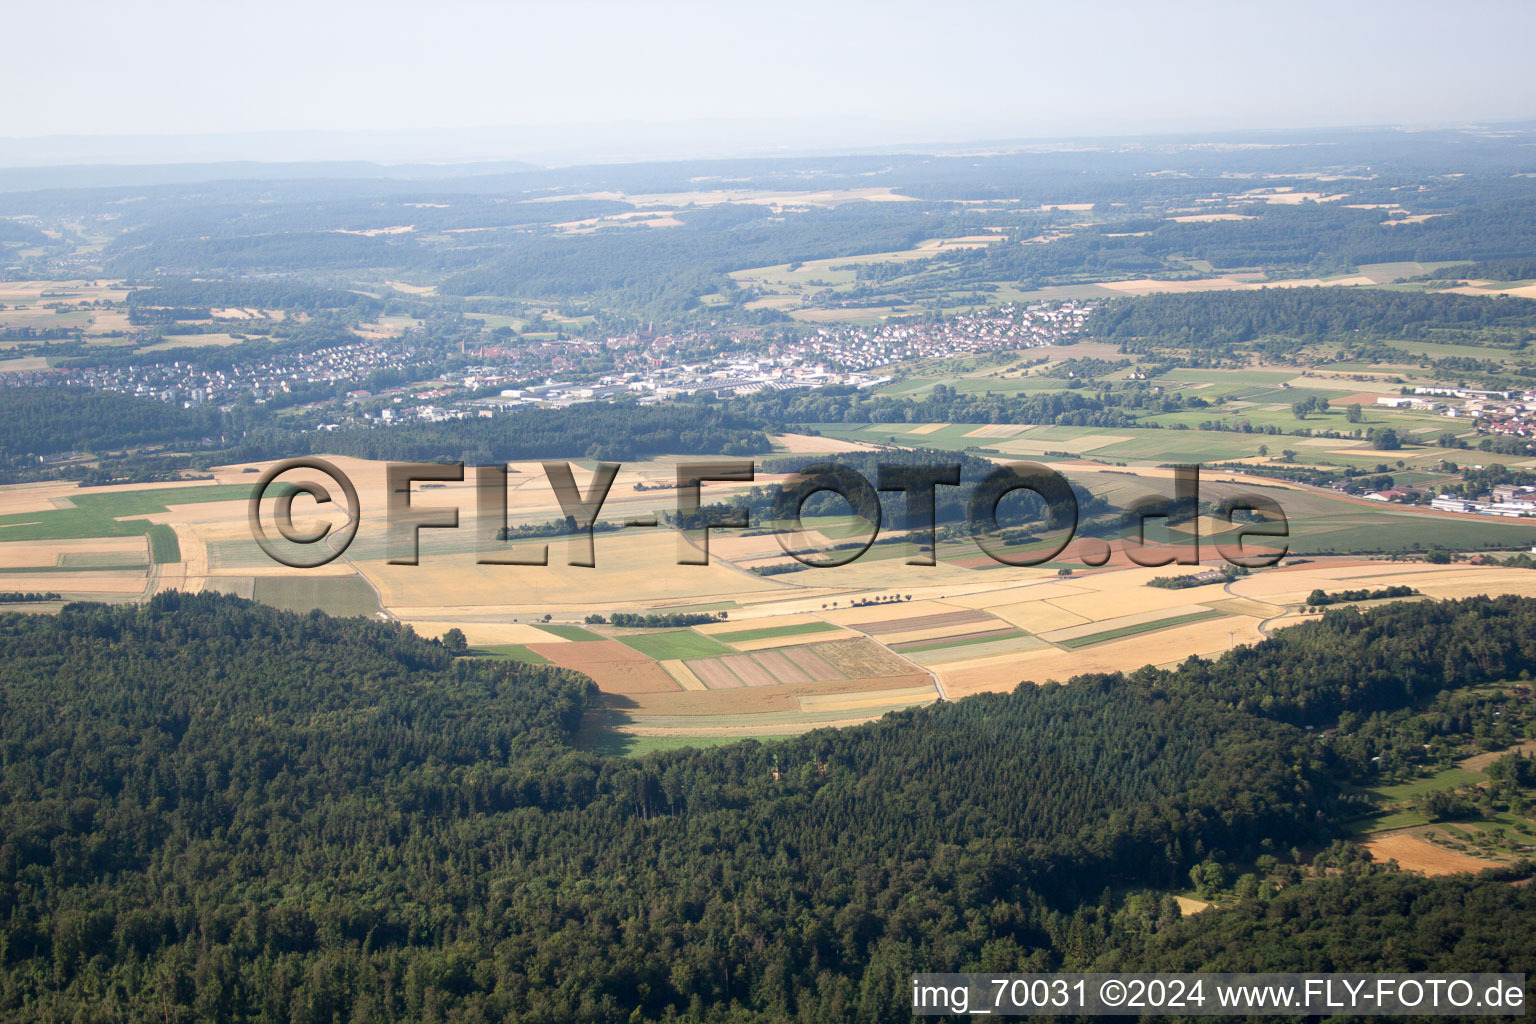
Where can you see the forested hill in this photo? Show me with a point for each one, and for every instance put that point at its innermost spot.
(42, 422)
(1355, 921)
(1215, 321)
(39, 422)
(596, 430)
(210, 810)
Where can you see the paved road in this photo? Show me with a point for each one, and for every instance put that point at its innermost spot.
(1263, 623)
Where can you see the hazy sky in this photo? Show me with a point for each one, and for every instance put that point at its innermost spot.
(786, 73)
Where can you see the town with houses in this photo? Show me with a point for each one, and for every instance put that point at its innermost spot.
(645, 366)
(387, 381)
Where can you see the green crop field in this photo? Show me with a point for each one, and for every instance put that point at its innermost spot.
(163, 545)
(510, 652)
(938, 645)
(30, 570)
(101, 514)
(1364, 532)
(568, 632)
(622, 744)
(1408, 793)
(1140, 627)
(769, 632)
(674, 644)
(1450, 778)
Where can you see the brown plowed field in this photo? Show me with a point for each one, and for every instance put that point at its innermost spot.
(751, 673)
(813, 664)
(782, 668)
(715, 674)
(1415, 854)
(615, 668)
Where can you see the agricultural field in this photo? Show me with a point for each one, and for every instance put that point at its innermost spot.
(90, 306)
(1414, 852)
(1403, 832)
(797, 650)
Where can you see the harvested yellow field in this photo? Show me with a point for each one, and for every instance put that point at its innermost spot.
(1229, 282)
(93, 584)
(1240, 606)
(1422, 856)
(642, 218)
(767, 197)
(172, 576)
(881, 577)
(810, 444)
(68, 292)
(1128, 596)
(905, 697)
(821, 701)
(1037, 616)
(632, 569)
(1088, 443)
(1206, 218)
(102, 550)
(23, 364)
(797, 640)
(732, 547)
(1448, 589)
(928, 428)
(1121, 621)
(394, 229)
(878, 613)
(1004, 672)
(1019, 585)
(482, 634)
(17, 499)
(193, 341)
(737, 623)
(1291, 586)
(1480, 762)
(999, 430)
(939, 632)
(683, 674)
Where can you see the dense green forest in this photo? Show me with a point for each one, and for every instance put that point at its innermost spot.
(943, 403)
(604, 431)
(1205, 323)
(260, 294)
(499, 234)
(212, 810)
(45, 422)
(712, 241)
(1357, 920)
(1514, 269)
(1310, 238)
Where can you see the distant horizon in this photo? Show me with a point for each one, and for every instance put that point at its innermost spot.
(604, 81)
(551, 147)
